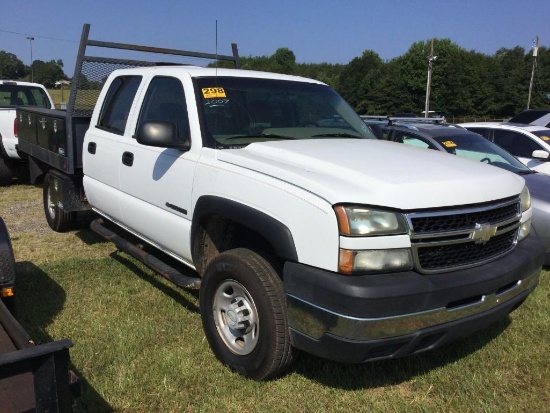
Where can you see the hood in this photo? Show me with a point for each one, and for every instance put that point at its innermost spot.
(378, 173)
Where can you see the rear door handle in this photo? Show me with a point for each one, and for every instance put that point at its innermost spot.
(128, 158)
(92, 147)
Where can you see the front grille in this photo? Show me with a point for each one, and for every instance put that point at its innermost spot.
(462, 221)
(449, 240)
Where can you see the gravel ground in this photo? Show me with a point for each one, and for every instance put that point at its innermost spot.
(24, 217)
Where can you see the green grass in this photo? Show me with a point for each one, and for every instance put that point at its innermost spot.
(59, 96)
(139, 345)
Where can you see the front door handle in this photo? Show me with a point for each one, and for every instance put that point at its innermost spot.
(92, 147)
(128, 158)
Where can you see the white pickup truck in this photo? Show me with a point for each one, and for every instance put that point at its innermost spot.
(305, 232)
(13, 94)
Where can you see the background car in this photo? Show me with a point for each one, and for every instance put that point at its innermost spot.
(529, 143)
(456, 140)
(15, 94)
(540, 117)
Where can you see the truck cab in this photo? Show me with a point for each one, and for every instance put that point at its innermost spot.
(15, 94)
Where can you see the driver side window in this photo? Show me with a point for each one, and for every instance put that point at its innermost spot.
(165, 101)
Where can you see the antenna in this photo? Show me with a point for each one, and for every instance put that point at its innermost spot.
(216, 46)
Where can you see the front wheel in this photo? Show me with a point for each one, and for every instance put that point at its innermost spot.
(58, 219)
(244, 315)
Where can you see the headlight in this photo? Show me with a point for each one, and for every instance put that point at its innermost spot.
(361, 221)
(375, 261)
(524, 229)
(525, 199)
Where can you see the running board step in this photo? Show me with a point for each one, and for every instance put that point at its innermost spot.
(152, 262)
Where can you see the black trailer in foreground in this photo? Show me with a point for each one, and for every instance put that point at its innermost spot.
(33, 378)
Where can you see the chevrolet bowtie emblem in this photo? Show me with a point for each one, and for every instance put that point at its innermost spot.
(483, 233)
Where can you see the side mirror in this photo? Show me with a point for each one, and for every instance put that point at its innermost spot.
(541, 155)
(161, 134)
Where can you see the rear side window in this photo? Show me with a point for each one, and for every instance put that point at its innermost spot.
(516, 143)
(117, 104)
(13, 95)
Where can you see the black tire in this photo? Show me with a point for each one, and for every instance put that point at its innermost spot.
(7, 264)
(243, 314)
(58, 219)
(6, 172)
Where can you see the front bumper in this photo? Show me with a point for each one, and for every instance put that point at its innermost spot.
(361, 318)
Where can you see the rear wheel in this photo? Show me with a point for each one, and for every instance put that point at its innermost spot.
(6, 171)
(58, 219)
(244, 315)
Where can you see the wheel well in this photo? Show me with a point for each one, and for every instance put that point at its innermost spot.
(217, 234)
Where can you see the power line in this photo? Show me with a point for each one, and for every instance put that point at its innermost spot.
(39, 37)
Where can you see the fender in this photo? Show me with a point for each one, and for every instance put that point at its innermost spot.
(68, 192)
(275, 232)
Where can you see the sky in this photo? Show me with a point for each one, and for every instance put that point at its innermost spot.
(316, 31)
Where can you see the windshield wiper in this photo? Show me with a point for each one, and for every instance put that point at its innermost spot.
(337, 135)
(275, 136)
(241, 137)
(263, 135)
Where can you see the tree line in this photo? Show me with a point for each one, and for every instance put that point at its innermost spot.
(464, 83)
(46, 73)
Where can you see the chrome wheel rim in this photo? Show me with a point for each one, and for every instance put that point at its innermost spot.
(236, 317)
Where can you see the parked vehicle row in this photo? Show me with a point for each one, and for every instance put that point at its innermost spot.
(457, 140)
(529, 143)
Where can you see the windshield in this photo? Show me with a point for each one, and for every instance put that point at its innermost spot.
(13, 95)
(543, 134)
(480, 149)
(239, 111)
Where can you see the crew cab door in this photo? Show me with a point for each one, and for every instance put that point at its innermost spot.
(103, 148)
(155, 182)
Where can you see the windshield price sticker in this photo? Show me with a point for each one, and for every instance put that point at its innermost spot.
(449, 144)
(213, 92)
(545, 138)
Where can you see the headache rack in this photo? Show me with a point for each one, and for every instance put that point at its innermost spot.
(55, 137)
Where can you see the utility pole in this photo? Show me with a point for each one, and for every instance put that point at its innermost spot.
(431, 58)
(535, 55)
(30, 39)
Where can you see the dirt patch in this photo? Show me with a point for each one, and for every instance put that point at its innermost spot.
(24, 217)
